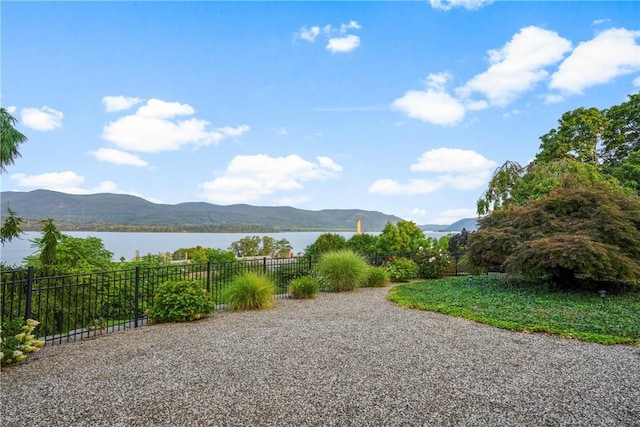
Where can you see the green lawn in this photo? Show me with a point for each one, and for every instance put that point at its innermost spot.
(490, 300)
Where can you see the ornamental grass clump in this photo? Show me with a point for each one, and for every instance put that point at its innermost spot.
(250, 291)
(17, 340)
(377, 277)
(303, 288)
(342, 270)
(181, 301)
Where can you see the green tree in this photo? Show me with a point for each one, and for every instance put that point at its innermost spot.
(326, 242)
(11, 227)
(405, 236)
(257, 246)
(10, 139)
(71, 254)
(362, 243)
(570, 235)
(578, 136)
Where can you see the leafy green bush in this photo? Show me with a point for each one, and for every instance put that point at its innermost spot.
(377, 277)
(180, 301)
(401, 269)
(342, 270)
(432, 263)
(303, 288)
(250, 291)
(17, 340)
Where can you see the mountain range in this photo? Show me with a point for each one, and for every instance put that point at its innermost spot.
(121, 212)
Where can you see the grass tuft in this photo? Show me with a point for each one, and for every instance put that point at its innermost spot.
(342, 270)
(250, 291)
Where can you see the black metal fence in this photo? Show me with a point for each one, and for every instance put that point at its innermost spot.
(76, 306)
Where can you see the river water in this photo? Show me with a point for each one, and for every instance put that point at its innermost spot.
(128, 244)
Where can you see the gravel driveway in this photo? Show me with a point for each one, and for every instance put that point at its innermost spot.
(349, 359)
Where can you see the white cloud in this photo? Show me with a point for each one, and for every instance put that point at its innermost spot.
(343, 44)
(68, 182)
(465, 170)
(119, 103)
(41, 119)
(11, 109)
(309, 34)
(338, 39)
(412, 187)
(636, 81)
(250, 178)
(155, 127)
(467, 4)
(118, 157)
(452, 160)
(610, 54)
(351, 25)
(433, 105)
(518, 66)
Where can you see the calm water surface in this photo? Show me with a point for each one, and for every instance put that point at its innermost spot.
(127, 244)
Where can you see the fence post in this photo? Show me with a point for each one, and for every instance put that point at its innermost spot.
(27, 311)
(136, 308)
(209, 277)
(264, 265)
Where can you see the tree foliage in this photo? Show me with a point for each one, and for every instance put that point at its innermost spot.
(10, 139)
(405, 236)
(573, 233)
(11, 227)
(589, 145)
(261, 246)
(326, 242)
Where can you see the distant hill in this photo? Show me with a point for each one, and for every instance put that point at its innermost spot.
(469, 224)
(120, 212)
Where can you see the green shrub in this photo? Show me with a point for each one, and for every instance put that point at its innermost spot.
(342, 270)
(17, 340)
(303, 288)
(432, 263)
(180, 301)
(377, 277)
(250, 291)
(401, 269)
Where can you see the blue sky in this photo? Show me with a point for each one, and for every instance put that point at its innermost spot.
(400, 107)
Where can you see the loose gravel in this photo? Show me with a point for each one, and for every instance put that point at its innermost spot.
(348, 359)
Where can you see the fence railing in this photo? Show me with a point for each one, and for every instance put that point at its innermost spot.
(77, 306)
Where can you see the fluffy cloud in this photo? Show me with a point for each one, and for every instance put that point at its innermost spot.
(432, 105)
(67, 182)
(157, 126)
(338, 41)
(452, 160)
(41, 119)
(610, 54)
(466, 170)
(343, 44)
(118, 157)
(119, 103)
(467, 4)
(250, 178)
(518, 66)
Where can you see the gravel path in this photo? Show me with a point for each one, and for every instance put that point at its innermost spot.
(350, 359)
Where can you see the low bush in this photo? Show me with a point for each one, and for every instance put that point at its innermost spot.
(432, 263)
(401, 269)
(180, 301)
(250, 291)
(303, 288)
(17, 340)
(377, 277)
(342, 270)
